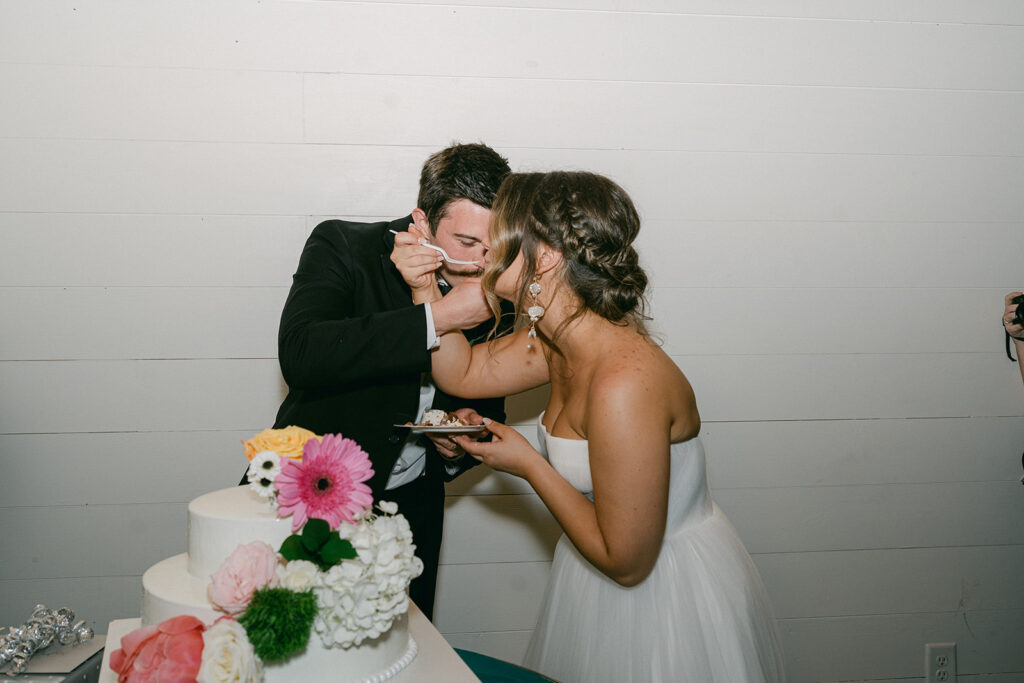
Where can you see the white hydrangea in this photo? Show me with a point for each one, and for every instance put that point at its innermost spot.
(360, 598)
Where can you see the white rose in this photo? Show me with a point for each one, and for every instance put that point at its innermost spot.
(388, 507)
(298, 575)
(228, 656)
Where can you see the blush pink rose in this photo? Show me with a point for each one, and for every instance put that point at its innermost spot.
(169, 652)
(250, 567)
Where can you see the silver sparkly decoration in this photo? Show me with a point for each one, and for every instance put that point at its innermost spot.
(20, 643)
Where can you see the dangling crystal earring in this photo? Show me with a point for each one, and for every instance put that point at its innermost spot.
(536, 311)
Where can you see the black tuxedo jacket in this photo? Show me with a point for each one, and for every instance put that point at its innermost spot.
(352, 346)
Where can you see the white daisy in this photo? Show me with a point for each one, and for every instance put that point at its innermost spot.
(263, 470)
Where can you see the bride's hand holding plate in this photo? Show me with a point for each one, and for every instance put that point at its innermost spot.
(507, 451)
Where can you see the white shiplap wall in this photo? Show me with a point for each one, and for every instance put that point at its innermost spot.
(832, 195)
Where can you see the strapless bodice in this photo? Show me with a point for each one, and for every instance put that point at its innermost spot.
(688, 498)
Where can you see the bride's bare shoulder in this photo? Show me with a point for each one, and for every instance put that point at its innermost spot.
(642, 372)
(644, 380)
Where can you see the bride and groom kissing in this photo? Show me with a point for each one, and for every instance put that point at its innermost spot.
(649, 581)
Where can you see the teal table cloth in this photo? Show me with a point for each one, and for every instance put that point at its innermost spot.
(491, 670)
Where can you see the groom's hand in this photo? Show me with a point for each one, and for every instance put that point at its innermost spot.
(448, 449)
(446, 446)
(417, 264)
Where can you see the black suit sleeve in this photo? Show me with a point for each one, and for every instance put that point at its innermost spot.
(328, 338)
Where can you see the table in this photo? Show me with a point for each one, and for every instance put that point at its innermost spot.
(43, 667)
(436, 661)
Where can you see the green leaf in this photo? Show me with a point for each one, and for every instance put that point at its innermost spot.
(336, 549)
(292, 549)
(315, 534)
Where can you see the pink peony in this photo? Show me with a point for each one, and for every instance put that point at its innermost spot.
(169, 652)
(250, 567)
(328, 483)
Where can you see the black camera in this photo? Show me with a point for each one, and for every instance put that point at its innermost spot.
(1019, 317)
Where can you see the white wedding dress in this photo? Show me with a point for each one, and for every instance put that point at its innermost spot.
(702, 616)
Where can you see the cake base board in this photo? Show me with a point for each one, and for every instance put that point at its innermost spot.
(435, 662)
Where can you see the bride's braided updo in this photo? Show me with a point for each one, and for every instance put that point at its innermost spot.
(591, 221)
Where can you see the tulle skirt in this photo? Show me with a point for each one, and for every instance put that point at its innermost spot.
(702, 616)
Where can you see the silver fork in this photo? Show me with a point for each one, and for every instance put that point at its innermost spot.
(444, 253)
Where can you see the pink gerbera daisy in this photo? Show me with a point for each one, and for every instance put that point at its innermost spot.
(328, 483)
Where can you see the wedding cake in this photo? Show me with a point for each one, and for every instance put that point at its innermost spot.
(292, 578)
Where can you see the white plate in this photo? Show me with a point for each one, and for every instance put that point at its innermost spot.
(461, 429)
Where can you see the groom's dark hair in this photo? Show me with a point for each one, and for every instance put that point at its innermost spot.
(472, 172)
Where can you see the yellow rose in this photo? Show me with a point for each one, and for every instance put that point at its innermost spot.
(287, 442)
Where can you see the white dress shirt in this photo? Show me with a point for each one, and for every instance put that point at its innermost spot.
(412, 461)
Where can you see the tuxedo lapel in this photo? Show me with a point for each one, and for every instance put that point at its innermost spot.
(395, 286)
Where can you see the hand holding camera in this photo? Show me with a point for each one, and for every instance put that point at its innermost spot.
(1013, 323)
(1013, 315)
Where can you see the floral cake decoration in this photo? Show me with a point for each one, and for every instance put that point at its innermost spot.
(289, 442)
(342, 573)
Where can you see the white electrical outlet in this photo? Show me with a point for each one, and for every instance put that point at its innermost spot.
(940, 663)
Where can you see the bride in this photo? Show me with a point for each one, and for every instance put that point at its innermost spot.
(649, 582)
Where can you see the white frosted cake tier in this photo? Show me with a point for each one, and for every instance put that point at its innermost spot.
(220, 521)
(168, 590)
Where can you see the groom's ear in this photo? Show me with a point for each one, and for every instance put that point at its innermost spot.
(419, 219)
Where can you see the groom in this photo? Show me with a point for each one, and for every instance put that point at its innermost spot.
(355, 351)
